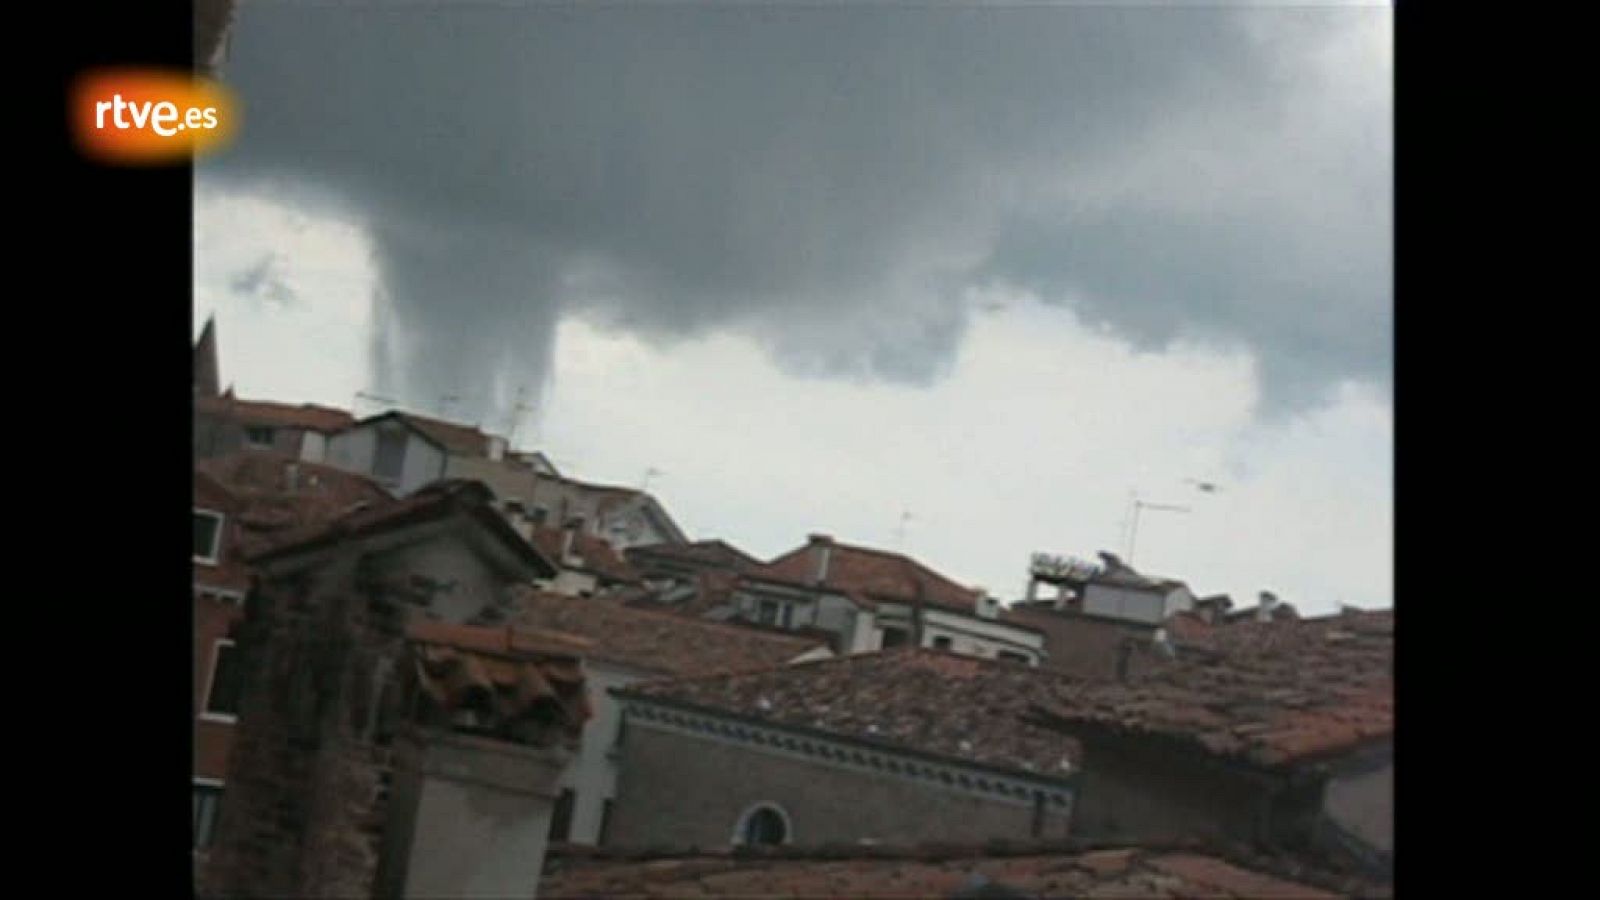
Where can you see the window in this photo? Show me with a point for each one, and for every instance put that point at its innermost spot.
(259, 436)
(222, 697)
(540, 515)
(389, 459)
(768, 614)
(207, 799)
(561, 818)
(894, 637)
(941, 643)
(207, 535)
(764, 825)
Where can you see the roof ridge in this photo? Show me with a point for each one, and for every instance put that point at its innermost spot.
(662, 615)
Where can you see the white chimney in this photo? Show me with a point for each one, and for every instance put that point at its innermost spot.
(497, 448)
(1269, 602)
(821, 552)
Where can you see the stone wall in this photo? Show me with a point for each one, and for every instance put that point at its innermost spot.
(679, 790)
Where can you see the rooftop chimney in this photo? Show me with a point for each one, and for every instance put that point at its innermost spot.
(821, 550)
(568, 533)
(985, 606)
(1269, 602)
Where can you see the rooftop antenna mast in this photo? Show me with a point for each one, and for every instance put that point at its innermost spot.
(649, 473)
(1133, 523)
(900, 529)
(444, 404)
(520, 408)
(373, 398)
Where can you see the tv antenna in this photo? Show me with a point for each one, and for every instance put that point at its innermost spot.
(518, 409)
(900, 529)
(375, 399)
(649, 473)
(1139, 506)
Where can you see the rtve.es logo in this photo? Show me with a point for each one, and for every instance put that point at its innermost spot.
(149, 116)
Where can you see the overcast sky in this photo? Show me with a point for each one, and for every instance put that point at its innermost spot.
(952, 279)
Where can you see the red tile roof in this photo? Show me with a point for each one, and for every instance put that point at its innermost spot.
(265, 507)
(706, 554)
(953, 706)
(870, 575)
(438, 500)
(658, 642)
(456, 438)
(516, 675)
(1270, 693)
(595, 555)
(306, 416)
(1030, 868)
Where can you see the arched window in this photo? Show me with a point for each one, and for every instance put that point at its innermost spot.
(763, 825)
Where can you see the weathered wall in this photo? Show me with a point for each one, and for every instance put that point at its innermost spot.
(1131, 791)
(481, 816)
(679, 790)
(592, 775)
(304, 804)
(1363, 804)
(1124, 603)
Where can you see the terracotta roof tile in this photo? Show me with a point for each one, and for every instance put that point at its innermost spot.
(437, 500)
(714, 554)
(455, 437)
(922, 700)
(594, 554)
(656, 641)
(509, 677)
(306, 416)
(1042, 869)
(870, 575)
(1272, 693)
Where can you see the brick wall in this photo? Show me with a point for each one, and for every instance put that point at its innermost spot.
(679, 790)
(306, 796)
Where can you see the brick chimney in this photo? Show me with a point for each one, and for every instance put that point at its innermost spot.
(821, 554)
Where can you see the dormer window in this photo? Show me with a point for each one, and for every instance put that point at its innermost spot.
(259, 436)
(207, 536)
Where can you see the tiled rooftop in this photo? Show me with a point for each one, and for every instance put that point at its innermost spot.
(921, 700)
(708, 553)
(1271, 693)
(869, 575)
(454, 437)
(658, 642)
(595, 555)
(434, 501)
(1025, 869)
(306, 416)
(508, 676)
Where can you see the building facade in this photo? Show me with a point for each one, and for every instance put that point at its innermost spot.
(629, 646)
(904, 745)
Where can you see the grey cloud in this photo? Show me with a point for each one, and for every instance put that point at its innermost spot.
(264, 281)
(782, 171)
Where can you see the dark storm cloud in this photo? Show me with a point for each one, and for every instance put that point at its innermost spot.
(825, 179)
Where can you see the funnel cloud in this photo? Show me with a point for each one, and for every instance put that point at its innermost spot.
(834, 182)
